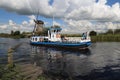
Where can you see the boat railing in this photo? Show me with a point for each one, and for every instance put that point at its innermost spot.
(77, 39)
(70, 41)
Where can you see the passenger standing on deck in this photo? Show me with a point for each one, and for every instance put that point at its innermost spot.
(84, 35)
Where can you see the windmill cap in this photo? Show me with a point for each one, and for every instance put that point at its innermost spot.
(39, 21)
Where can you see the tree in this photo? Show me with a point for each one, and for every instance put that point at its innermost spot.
(12, 32)
(93, 33)
(117, 31)
(110, 31)
(17, 33)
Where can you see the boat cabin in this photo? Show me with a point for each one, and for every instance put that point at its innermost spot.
(54, 34)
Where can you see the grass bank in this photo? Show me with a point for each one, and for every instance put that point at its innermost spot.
(12, 36)
(106, 38)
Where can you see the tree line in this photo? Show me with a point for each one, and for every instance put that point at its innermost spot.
(110, 31)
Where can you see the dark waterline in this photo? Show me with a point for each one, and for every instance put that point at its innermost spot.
(101, 61)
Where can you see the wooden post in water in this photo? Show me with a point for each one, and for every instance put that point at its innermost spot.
(10, 57)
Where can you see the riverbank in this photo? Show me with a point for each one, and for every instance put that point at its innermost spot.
(12, 36)
(106, 38)
(97, 38)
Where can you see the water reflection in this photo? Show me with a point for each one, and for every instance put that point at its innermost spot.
(57, 62)
(78, 64)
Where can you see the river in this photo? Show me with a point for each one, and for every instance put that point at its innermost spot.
(101, 61)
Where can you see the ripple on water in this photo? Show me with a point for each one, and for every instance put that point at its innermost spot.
(99, 62)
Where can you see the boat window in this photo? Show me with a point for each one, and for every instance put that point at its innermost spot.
(35, 39)
(45, 39)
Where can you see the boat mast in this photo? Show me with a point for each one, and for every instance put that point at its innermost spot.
(53, 21)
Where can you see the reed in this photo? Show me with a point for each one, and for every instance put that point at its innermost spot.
(106, 38)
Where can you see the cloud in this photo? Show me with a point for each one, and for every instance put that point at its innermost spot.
(3, 27)
(77, 14)
(72, 9)
(81, 26)
(25, 26)
(72, 27)
(56, 23)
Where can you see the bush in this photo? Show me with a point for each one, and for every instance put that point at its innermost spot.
(93, 33)
(17, 33)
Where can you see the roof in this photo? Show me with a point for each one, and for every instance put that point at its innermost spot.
(39, 21)
(56, 29)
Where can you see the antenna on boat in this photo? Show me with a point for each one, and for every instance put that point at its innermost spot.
(53, 21)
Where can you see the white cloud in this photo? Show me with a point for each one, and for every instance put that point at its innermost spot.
(24, 23)
(73, 26)
(56, 23)
(11, 25)
(3, 27)
(73, 9)
(77, 14)
(102, 2)
(32, 17)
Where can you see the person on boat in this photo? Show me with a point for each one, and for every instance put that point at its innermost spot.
(84, 36)
(64, 38)
(41, 39)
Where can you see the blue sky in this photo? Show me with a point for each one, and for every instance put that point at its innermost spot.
(111, 2)
(65, 13)
(5, 16)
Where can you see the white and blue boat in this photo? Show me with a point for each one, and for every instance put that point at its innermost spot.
(54, 39)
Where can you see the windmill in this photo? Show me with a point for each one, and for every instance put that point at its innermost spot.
(38, 27)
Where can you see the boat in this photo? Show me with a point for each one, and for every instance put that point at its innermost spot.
(54, 38)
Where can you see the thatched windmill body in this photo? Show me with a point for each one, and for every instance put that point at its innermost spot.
(38, 28)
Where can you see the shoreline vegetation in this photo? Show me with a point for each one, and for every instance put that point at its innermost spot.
(106, 38)
(16, 35)
(109, 36)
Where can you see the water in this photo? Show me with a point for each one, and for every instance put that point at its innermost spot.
(100, 62)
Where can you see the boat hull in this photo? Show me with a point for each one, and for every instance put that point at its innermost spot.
(63, 44)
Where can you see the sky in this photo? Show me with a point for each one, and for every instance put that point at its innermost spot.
(74, 16)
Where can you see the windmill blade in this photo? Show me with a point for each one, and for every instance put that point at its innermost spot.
(35, 12)
(37, 15)
(36, 21)
(34, 27)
